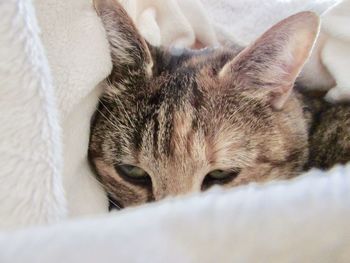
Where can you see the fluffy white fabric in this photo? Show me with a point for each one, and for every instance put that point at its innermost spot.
(171, 23)
(30, 148)
(304, 220)
(336, 51)
(78, 54)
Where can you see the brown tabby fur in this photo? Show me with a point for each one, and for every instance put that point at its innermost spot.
(179, 117)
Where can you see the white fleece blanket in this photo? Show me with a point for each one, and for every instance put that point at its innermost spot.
(48, 76)
(30, 146)
(304, 220)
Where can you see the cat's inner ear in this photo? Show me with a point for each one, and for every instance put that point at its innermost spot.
(129, 50)
(272, 63)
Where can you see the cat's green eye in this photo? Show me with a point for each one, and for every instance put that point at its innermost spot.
(220, 177)
(132, 173)
(220, 174)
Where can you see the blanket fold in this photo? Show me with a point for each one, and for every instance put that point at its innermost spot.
(30, 146)
(303, 220)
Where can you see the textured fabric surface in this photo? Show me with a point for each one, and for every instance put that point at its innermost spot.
(303, 220)
(77, 52)
(30, 147)
(336, 51)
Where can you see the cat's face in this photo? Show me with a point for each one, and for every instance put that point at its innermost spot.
(174, 124)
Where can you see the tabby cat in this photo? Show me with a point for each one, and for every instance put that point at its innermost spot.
(170, 124)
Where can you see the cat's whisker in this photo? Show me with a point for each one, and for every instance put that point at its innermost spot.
(114, 118)
(121, 106)
(117, 99)
(102, 185)
(110, 121)
(126, 114)
(115, 204)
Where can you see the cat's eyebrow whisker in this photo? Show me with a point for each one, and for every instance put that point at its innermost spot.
(120, 104)
(114, 118)
(120, 126)
(124, 110)
(110, 121)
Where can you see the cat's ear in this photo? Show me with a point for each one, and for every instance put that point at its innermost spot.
(129, 50)
(272, 63)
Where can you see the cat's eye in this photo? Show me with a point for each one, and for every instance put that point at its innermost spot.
(133, 173)
(220, 177)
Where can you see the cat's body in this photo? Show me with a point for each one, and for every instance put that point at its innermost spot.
(173, 124)
(329, 133)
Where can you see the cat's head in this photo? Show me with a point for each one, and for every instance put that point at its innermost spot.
(170, 124)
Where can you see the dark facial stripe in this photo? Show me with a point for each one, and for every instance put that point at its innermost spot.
(169, 98)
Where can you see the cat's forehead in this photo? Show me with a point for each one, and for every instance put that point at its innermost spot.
(188, 83)
(185, 102)
(185, 75)
(173, 60)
